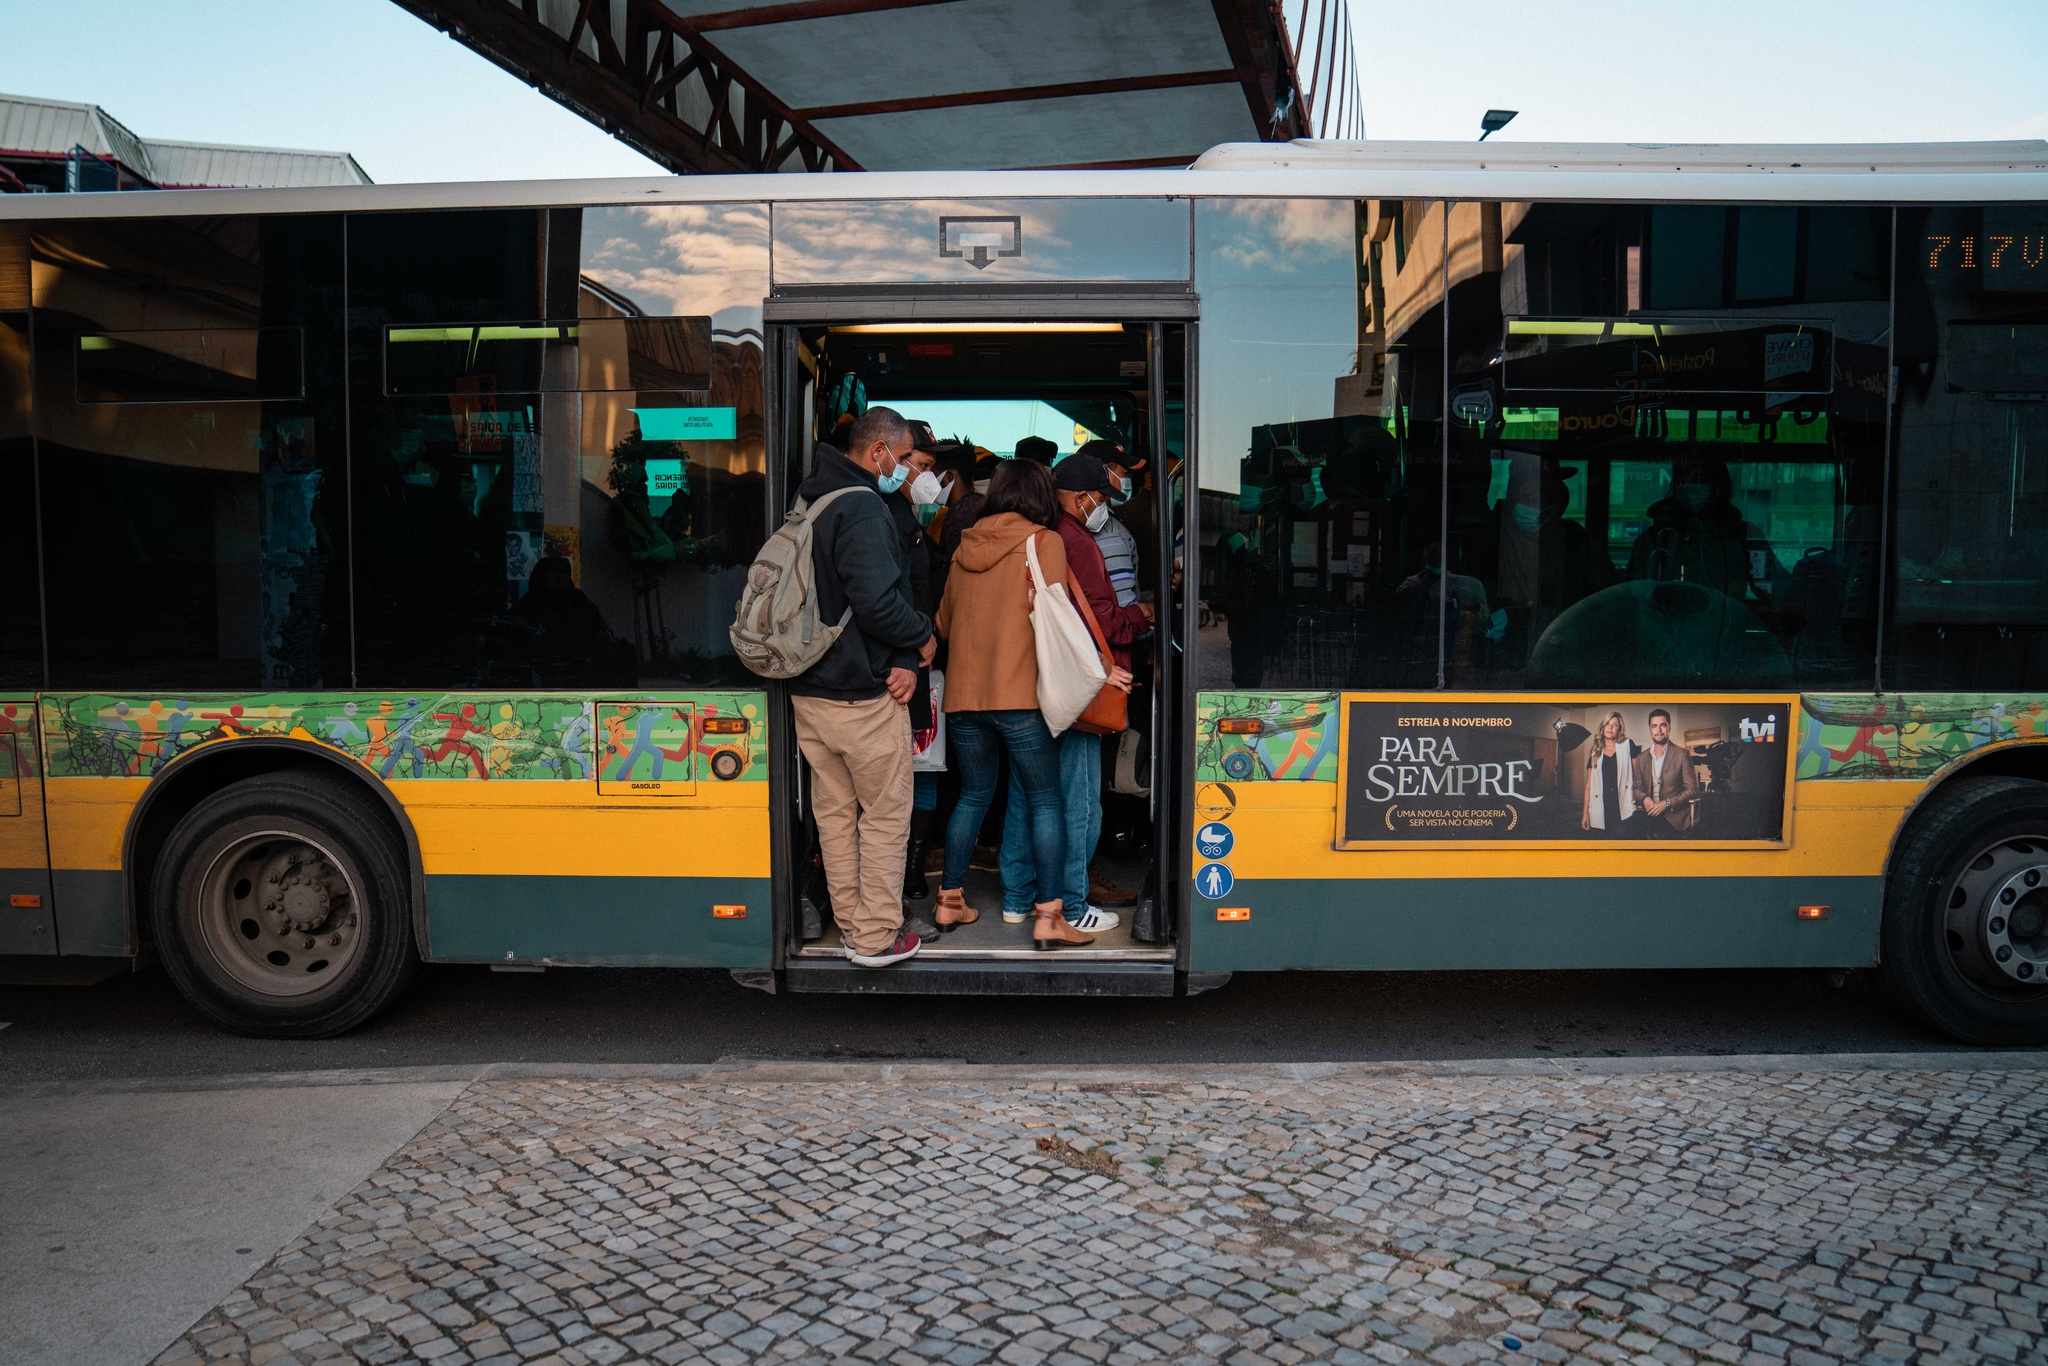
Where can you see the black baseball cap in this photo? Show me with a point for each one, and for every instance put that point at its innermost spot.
(1081, 473)
(1109, 453)
(921, 437)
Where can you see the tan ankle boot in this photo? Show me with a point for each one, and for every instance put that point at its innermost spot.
(1051, 930)
(953, 910)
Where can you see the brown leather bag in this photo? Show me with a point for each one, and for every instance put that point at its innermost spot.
(1110, 712)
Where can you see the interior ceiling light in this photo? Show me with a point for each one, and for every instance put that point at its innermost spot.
(980, 327)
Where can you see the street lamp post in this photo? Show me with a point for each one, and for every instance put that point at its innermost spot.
(1495, 120)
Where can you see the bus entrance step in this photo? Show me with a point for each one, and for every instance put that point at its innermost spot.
(984, 979)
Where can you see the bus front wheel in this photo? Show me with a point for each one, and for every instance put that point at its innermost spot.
(1965, 938)
(280, 907)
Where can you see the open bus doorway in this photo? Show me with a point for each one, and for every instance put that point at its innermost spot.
(987, 389)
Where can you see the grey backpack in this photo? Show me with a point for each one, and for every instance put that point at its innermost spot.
(776, 632)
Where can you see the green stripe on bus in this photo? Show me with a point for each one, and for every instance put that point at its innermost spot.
(1503, 923)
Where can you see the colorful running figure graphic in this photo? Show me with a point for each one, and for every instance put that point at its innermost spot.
(576, 742)
(460, 725)
(1811, 746)
(1313, 744)
(399, 742)
(645, 719)
(1865, 741)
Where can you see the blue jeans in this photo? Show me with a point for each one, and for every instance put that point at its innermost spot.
(1081, 804)
(977, 740)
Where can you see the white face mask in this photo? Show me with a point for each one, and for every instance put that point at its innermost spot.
(1098, 519)
(925, 488)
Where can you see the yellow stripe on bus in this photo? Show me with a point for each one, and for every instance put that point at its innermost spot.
(1288, 830)
(523, 829)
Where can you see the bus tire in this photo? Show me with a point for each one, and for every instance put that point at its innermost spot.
(1964, 943)
(280, 907)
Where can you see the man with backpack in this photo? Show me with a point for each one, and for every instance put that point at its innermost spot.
(852, 717)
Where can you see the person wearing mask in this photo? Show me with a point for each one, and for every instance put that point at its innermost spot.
(1120, 558)
(991, 699)
(1118, 545)
(1081, 483)
(912, 507)
(1697, 535)
(852, 706)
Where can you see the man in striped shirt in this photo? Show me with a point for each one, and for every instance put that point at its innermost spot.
(1119, 547)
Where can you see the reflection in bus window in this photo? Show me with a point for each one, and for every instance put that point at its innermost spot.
(1666, 443)
(188, 413)
(980, 242)
(21, 624)
(1320, 455)
(1969, 606)
(576, 504)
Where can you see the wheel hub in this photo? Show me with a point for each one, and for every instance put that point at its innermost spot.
(280, 913)
(301, 900)
(2016, 925)
(1998, 918)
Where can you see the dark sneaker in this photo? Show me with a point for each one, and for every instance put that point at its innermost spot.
(987, 858)
(1105, 893)
(906, 946)
(922, 926)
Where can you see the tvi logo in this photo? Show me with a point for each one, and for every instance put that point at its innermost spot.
(1765, 731)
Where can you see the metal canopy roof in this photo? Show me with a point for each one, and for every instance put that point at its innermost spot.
(733, 86)
(48, 130)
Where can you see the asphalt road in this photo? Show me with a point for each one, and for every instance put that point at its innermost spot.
(135, 1025)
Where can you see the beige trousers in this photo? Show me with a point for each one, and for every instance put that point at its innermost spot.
(859, 754)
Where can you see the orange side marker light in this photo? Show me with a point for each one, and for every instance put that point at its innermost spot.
(27, 901)
(1241, 725)
(728, 912)
(1813, 913)
(1233, 913)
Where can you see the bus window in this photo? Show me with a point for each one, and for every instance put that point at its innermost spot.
(1666, 444)
(1319, 455)
(1969, 601)
(188, 415)
(21, 629)
(565, 446)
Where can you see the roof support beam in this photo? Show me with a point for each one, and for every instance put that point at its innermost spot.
(1169, 81)
(620, 92)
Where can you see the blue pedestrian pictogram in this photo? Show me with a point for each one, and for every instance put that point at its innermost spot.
(1214, 840)
(1214, 881)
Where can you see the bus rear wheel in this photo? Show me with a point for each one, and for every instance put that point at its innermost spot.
(1965, 938)
(280, 907)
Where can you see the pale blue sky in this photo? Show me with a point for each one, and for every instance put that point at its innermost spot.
(366, 77)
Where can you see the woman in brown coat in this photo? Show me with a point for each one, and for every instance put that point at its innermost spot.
(992, 690)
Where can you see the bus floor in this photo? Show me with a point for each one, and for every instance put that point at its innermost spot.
(990, 938)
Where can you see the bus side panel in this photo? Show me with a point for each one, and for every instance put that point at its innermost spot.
(88, 818)
(551, 827)
(1294, 900)
(532, 874)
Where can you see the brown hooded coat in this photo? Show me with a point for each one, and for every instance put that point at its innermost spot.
(991, 654)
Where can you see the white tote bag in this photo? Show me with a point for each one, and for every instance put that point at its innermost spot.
(1070, 671)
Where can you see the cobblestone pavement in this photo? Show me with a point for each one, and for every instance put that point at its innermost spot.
(1774, 1219)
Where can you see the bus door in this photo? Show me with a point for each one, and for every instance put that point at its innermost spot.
(26, 923)
(1104, 374)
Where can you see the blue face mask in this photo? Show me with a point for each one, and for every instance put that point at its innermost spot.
(893, 480)
(1527, 518)
(1121, 493)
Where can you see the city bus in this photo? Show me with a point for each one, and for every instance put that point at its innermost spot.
(1562, 556)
